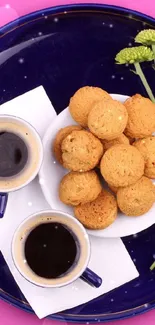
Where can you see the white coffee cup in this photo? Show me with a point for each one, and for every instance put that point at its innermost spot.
(79, 268)
(30, 137)
(33, 143)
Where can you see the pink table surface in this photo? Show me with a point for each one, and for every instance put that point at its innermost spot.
(10, 10)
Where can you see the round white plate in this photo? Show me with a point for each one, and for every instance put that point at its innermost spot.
(52, 172)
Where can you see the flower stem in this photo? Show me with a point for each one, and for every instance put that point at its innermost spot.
(153, 49)
(144, 81)
(152, 267)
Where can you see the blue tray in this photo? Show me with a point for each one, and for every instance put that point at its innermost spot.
(64, 48)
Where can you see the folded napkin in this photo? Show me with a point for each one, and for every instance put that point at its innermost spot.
(109, 257)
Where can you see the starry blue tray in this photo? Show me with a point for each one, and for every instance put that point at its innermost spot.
(64, 48)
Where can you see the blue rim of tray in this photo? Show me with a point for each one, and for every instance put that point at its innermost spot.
(16, 24)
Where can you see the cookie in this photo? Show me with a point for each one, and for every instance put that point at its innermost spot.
(122, 165)
(137, 199)
(81, 151)
(76, 188)
(141, 120)
(82, 102)
(122, 139)
(60, 136)
(98, 214)
(146, 147)
(108, 119)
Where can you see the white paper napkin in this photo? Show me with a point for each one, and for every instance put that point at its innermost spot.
(109, 257)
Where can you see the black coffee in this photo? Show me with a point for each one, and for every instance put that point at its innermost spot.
(13, 154)
(50, 250)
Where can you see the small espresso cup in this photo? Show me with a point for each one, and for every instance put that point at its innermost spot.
(21, 153)
(52, 249)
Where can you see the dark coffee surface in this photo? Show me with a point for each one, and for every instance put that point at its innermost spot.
(50, 250)
(13, 154)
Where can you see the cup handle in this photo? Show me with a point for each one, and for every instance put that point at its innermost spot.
(3, 203)
(91, 278)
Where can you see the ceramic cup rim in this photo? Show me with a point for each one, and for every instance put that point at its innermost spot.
(40, 147)
(62, 214)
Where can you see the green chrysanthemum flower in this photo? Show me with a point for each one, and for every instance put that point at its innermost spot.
(136, 55)
(132, 55)
(146, 37)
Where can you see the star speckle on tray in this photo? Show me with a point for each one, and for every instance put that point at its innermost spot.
(21, 60)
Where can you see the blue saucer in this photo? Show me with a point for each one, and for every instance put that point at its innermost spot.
(64, 48)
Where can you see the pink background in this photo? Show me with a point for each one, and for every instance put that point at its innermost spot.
(12, 9)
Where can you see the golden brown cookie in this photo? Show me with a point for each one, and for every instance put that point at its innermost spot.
(81, 151)
(108, 119)
(137, 199)
(82, 102)
(122, 139)
(141, 121)
(122, 165)
(146, 147)
(98, 214)
(76, 188)
(62, 133)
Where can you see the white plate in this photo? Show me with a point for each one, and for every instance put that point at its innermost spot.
(52, 172)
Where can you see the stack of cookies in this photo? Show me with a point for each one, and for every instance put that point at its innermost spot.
(115, 139)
